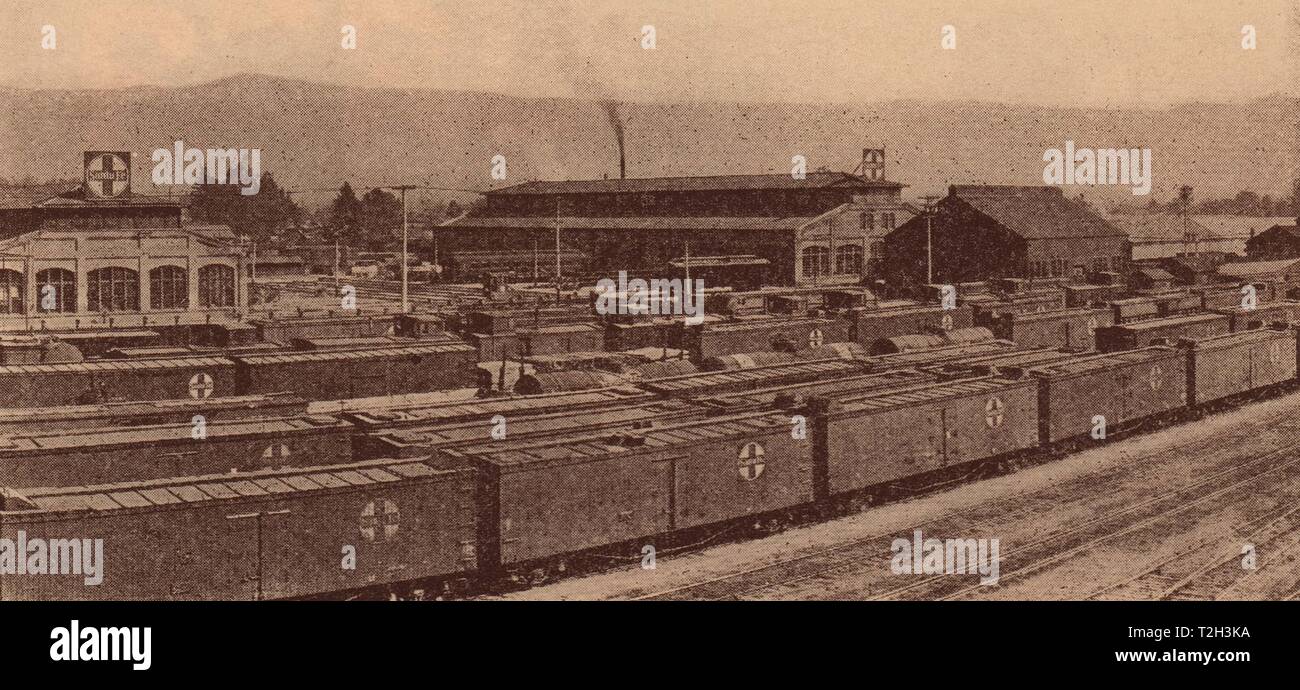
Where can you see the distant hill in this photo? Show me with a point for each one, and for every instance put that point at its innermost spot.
(316, 135)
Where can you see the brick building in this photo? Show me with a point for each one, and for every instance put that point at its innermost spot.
(826, 228)
(980, 232)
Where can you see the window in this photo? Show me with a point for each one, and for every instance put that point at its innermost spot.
(57, 288)
(816, 261)
(887, 221)
(113, 289)
(11, 291)
(869, 221)
(848, 259)
(216, 286)
(169, 288)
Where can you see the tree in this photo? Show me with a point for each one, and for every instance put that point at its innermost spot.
(381, 214)
(259, 216)
(343, 225)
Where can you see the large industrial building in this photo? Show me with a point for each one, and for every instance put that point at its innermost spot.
(979, 232)
(819, 229)
(99, 262)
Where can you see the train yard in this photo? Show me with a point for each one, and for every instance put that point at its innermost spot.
(1159, 516)
(501, 444)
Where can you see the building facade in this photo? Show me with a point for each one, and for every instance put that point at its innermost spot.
(982, 232)
(822, 228)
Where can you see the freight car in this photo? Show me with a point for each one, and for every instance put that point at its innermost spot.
(1130, 336)
(625, 487)
(560, 381)
(385, 417)
(333, 375)
(793, 395)
(870, 325)
(1135, 309)
(257, 535)
(723, 338)
(151, 412)
(1108, 392)
(113, 454)
(1068, 328)
(662, 333)
(747, 360)
(49, 385)
(1241, 319)
(751, 378)
(920, 341)
(885, 437)
(282, 329)
(1228, 365)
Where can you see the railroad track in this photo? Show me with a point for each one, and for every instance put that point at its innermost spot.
(1060, 545)
(1188, 575)
(852, 554)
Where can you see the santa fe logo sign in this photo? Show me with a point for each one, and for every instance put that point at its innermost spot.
(108, 173)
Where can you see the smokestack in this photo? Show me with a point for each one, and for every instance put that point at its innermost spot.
(611, 112)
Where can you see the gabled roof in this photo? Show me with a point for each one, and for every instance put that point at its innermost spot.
(1035, 212)
(813, 180)
(1241, 226)
(76, 197)
(544, 222)
(1252, 269)
(1160, 227)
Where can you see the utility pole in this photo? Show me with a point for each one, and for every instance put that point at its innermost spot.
(557, 249)
(930, 205)
(403, 188)
(1185, 196)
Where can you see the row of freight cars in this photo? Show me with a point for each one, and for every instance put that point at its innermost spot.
(297, 505)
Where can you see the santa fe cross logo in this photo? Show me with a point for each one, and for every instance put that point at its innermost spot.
(107, 173)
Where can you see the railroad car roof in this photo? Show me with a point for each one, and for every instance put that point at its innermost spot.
(334, 355)
(486, 407)
(766, 322)
(312, 320)
(478, 431)
(118, 365)
(845, 386)
(1054, 314)
(161, 433)
(1165, 323)
(201, 488)
(522, 452)
(940, 354)
(1230, 339)
(929, 392)
(1105, 361)
(716, 378)
(147, 407)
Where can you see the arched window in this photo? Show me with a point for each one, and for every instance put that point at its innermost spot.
(113, 289)
(56, 291)
(12, 289)
(816, 261)
(848, 259)
(216, 286)
(169, 288)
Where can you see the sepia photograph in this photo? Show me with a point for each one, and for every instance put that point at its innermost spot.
(481, 305)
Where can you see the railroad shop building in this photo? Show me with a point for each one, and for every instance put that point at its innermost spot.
(980, 232)
(821, 229)
(99, 259)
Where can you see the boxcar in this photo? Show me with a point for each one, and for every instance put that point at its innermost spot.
(49, 385)
(115, 454)
(1264, 313)
(559, 339)
(265, 534)
(796, 394)
(1226, 365)
(1135, 309)
(1068, 328)
(984, 313)
(873, 324)
(374, 418)
(891, 435)
(494, 347)
(539, 500)
(1177, 304)
(284, 329)
(1091, 295)
(1130, 336)
(665, 333)
(1122, 388)
(360, 374)
(150, 412)
(777, 333)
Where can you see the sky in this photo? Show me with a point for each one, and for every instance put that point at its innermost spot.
(1091, 53)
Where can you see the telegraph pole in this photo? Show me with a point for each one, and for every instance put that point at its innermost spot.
(403, 188)
(930, 203)
(557, 249)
